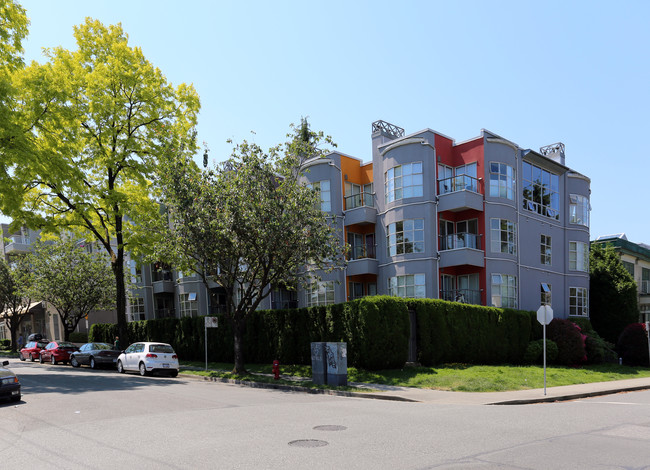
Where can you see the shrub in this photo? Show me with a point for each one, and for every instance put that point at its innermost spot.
(632, 345)
(570, 341)
(599, 350)
(535, 352)
(78, 337)
(5, 343)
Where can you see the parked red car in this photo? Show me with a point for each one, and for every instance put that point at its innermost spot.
(32, 350)
(57, 351)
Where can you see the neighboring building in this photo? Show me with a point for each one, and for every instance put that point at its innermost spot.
(481, 221)
(636, 259)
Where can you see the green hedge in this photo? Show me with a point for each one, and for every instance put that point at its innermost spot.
(376, 330)
(455, 332)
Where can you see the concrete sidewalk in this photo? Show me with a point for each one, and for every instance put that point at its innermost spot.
(412, 394)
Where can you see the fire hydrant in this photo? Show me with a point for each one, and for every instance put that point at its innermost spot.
(276, 369)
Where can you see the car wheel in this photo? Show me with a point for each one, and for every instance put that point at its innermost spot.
(22, 358)
(174, 373)
(53, 359)
(16, 398)
(40, 358)
(93, 365)
(31, 357)
(120, 367)
(73, 362)
(143, 369)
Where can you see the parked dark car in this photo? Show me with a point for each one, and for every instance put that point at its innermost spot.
(32, 350)
(9, 384)
(57, 351)
(95, 355)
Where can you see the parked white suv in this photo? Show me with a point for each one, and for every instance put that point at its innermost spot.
(147, 358)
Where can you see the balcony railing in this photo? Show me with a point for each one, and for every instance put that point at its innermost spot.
(465, 296)
(359, 200)
(457, 183)
(362, 252)
(460, 240)
(162, 276)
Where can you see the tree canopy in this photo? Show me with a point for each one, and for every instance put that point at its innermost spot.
(72, 280)
(613, 300)
(96, 121)
(249, 225)
(16, 293)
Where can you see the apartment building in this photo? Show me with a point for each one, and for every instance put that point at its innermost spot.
(482, 221)
(636, 260)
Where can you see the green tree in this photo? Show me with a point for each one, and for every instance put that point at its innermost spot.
(97, 119)
(612, 293)
(73, 280)
(249, 225)
(16, 296)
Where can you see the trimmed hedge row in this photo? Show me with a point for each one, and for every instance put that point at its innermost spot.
(376, 330)
(455, 332)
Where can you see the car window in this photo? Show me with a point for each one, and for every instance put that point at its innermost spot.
(65, 344)
(103, 346)
(139, 347)
(161, 348)
(131, 348)
(84, 347)
(30, 344)
(50, 346)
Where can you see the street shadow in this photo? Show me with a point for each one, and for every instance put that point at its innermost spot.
(57, 379)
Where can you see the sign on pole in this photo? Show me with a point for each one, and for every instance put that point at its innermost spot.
(544, 316)
(210, 322)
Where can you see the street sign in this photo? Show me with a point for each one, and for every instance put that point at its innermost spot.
(212, 322)
(545, 314)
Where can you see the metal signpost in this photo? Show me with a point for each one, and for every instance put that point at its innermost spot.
(210, 322)
(544, 316)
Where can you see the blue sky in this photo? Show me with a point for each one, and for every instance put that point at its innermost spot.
(533, 72)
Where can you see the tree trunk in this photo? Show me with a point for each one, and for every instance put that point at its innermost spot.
(238, 329)
(120, 300)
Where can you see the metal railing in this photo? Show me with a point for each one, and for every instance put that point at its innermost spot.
(359, 200)
(362, 252)
(162, 276)
(457, 183)
(465, 296)
(460, 240)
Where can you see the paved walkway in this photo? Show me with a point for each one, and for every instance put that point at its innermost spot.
(519, 397)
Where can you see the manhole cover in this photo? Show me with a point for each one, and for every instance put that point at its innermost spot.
(308, 443)
(330, 427)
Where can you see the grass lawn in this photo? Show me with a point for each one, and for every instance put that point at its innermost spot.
(453, 377)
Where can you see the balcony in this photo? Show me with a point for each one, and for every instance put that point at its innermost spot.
(465, 296)
(362, 260)
(461, 249)
(360, 209)
(18, 244)
(459, 193)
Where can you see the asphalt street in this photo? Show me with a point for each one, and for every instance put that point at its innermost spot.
(81, 418)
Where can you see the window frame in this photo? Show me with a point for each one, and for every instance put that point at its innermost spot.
(497, 235)
(546, 249)
(579, 209)
(574, 304)
(497, 290)
(320, 293)
(398, 238)
(408, 283)
(547, 184)
(395, 187)
(574, 256)
(502, 181)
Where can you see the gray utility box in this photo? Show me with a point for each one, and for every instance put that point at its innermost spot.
(337, 363)
(318, 364)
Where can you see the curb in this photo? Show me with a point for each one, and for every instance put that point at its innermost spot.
(297, 388)
(573, 396)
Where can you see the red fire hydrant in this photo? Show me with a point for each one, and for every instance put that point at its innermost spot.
(276, 369)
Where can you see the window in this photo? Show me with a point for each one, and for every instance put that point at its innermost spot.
(136, 271)
(545, 249)
(645, 281)
(355, 289)
(503, 236)
(463, 234)
(411, 286)
(320, 293)
(578, 256)
(504, 291)
(403, 181)
(325, 194)
(136, 308)
(406, 236)
(578, 301)
(579, 210)
(457, 179)
(502, 180)
(189, 306)
(541, 192)
(545, 291)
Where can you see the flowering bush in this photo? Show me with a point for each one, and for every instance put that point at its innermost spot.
(570, 342)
